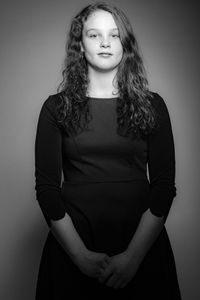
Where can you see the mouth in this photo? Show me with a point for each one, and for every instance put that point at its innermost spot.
(105, 54)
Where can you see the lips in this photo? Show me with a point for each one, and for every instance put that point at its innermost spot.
(104, 53)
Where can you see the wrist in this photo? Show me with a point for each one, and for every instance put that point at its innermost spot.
(134, 255)
(77, 255)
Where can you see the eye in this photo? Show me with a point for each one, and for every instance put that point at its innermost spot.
(114, 35)
(93, 35)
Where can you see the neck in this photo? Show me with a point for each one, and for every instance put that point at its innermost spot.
(101, 84)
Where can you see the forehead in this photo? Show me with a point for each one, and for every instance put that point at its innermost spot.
(100, 20)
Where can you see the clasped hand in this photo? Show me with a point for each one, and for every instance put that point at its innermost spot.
(119, 271)
(114, 271)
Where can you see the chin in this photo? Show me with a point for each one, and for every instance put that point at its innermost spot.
(104, 67)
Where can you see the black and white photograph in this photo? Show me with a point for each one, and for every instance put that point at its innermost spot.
(100, 150)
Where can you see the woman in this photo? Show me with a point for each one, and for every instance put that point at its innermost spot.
(112, 139)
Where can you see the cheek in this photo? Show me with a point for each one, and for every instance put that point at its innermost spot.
(119, 53)
(89, 55)
(119, 49)
(90, 50)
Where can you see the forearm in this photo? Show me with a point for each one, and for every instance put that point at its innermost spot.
(147, 231)
(66, 234)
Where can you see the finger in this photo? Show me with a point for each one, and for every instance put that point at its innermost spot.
(108, 259)
(105, 274)
(105, 260)
(113, 280)
(122, 284)
(119, 284)
(96, 275)
(104, 264)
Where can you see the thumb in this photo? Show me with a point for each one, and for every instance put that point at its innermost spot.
(105, 274)
(105, 261)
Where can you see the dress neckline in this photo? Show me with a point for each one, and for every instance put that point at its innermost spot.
(101, 98)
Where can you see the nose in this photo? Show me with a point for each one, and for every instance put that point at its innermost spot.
(105, 43)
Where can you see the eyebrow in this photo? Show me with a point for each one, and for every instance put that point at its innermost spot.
(100, 29)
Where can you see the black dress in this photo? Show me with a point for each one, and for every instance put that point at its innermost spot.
(105, 190)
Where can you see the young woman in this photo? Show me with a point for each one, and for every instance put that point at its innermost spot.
(112, 139)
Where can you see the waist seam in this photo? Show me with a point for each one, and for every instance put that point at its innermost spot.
(103, 181)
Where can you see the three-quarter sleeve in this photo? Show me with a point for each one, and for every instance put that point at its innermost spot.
(48, 164)
(161, 162)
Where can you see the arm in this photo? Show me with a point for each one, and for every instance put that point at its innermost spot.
(66, 234)
(48, 171)
(147, 231)
(161, 165)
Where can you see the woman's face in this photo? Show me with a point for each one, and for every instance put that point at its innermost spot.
(101, 43)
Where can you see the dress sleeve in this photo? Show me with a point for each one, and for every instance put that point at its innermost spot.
(48, 164)
(161, 162)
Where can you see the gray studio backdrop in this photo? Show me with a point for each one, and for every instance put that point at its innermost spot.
(32, 39)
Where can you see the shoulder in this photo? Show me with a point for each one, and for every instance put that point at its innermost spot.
(158, 102)
(52, 101)
(163, 120)
(160, 105)
(48, 111)
(50, 104)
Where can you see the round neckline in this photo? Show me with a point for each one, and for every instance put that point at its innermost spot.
(101, 98)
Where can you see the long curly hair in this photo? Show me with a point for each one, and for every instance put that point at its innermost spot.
(136, 116)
